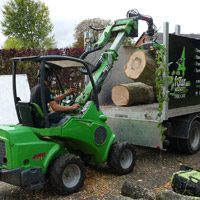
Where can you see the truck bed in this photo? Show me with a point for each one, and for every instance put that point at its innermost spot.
(136, 124)
(137, 112)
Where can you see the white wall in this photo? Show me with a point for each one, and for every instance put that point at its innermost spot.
(7, 108)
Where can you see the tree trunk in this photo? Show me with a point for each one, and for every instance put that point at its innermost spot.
(132, 94)
(141, 67)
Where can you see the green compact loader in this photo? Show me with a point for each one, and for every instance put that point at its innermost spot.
(36, 151)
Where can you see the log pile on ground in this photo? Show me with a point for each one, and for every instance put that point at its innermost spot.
(132, 94)
(141, 67)
(131, 190)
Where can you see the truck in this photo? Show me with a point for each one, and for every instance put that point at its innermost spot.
(176, 124)
(173, 121)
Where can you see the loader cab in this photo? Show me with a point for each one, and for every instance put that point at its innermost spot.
(32, 115)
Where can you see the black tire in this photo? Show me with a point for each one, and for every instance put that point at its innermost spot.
(63, 183)
(173, 145)
(192, 144)
(122, 157)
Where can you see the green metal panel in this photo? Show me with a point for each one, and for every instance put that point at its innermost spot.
(79, 133)
(24, 149)
(104, 36)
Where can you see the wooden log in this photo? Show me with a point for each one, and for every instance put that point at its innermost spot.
(141, 67)
(132, 190)
(132, 94)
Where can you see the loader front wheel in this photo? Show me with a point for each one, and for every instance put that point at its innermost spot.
(121, 159)
(67, 174)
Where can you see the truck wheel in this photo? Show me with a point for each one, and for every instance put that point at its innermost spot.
(67, 174)
(121, 159)
(192, 144)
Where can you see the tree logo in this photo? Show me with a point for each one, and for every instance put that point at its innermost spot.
(181, 64)
(180, 84)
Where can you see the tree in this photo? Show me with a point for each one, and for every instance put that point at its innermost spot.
(27, 21)
(13, 43)
(84, 26)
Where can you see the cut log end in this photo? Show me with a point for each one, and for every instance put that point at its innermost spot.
(141, 67)
(132, 94)
(120, 95)
(135, 65)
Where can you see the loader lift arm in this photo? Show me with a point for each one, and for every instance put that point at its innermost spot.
(120, 29)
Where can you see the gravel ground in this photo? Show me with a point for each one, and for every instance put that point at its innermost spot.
(152, 171)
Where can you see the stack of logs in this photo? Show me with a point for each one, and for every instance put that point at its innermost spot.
(141, 69)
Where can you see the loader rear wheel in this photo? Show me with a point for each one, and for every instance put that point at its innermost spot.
(121, 159)
(67, 174)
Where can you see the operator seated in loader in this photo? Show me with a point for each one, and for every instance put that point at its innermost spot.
(51, 101)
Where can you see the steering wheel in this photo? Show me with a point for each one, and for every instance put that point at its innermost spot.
(69, 100)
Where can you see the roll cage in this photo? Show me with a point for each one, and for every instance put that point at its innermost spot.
(53, 62)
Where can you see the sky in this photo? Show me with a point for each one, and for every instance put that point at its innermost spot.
(65, 15)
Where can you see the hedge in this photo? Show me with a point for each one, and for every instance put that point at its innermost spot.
(29, 68)
(6, 55)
